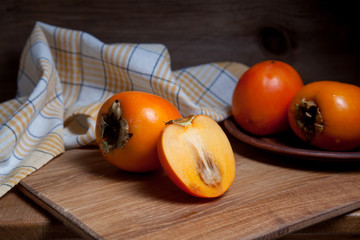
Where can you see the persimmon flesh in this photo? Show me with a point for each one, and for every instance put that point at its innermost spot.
(197, 156)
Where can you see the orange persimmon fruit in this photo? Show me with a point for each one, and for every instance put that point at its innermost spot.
(197, 156)
(128, 127)
(262, 95)
(326, 114)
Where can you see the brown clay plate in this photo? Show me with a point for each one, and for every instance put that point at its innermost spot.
(288, 144)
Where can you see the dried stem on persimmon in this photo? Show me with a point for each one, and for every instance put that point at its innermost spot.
(114, 130)
(309, 118)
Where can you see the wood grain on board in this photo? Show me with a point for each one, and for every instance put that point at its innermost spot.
(270, 197)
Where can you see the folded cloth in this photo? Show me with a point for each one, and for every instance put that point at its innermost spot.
(65, 76)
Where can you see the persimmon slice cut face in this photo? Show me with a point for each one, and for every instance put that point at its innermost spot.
(197, 156)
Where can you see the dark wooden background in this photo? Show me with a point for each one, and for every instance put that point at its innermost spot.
(319, 38)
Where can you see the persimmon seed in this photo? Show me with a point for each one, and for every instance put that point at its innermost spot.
(208, 170)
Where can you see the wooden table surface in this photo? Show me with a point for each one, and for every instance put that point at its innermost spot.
(319, 38)
(22, 218)
(79, 188)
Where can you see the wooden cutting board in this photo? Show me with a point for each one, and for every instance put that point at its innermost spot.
(271, 196)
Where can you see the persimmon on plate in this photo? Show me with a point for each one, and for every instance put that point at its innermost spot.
(326, 114)
(262, 96)
(197, 156)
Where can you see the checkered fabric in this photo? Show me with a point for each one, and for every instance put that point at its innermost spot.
(65, 76)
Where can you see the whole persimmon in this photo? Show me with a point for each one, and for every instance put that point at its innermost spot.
(326, 114)
(262, 96)
(197, 156)
(128, 127)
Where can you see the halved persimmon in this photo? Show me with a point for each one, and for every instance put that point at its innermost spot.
(197, 156)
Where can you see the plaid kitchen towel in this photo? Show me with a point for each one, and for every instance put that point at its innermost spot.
(65, 76)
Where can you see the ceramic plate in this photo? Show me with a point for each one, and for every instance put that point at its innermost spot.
(288, 144)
